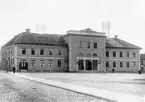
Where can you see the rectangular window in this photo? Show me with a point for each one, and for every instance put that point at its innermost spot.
(114, 64)
(95, 45)
(114, 54)
(127, 64)
(24, 51)
(59, 63)
(50, 52)
(41, 51)
(127, 54)
(32, 51)
(41, 63)
(59, 52)
(134, 54)
(121, 54)
(107, 54)
(50, 62)
(121, 64)
(33, 63)
(88, 45)
(107, 64)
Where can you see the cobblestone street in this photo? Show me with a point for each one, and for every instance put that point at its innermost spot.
(15, 89)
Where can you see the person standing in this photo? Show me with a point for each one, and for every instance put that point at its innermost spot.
(14, 69)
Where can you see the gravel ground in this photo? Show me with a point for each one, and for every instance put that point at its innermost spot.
(129, 83)
(15, 89)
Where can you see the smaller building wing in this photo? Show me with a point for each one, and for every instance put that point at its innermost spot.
(118, 43)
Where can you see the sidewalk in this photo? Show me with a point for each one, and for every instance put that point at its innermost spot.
(105, 95)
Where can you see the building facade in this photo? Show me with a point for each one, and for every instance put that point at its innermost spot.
(78, 50)
(142, 60)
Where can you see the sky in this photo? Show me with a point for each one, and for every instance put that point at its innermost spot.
(127, 17)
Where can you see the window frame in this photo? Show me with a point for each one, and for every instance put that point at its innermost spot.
(95, 45)
(114, 54)
(59, 63)
(121, 54)
(32, 51)
(42, 51)
(114, 64)
(121, 64)
(127, 64)
(23, 50)
(107, 53)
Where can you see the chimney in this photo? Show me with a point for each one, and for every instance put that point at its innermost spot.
(28, 30)
(115, 36)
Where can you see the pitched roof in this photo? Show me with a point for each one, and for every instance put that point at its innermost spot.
(142, 56)
(37, 39)
(118, 43)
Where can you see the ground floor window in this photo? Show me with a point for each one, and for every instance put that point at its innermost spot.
(59, 63)
(121, 64)
(127, 64)
(41, 63)
(33, 63)
(114, 64)
(50, 62)
(107, 64)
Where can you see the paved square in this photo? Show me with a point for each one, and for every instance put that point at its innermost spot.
(129, 83)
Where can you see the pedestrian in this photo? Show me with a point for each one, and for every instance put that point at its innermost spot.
(14, 70)
(113, 70)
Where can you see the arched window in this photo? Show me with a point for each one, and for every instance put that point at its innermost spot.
(81, 54)
(95, 55)
(88, 55)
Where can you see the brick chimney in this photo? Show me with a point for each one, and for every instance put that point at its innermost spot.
(28, 30)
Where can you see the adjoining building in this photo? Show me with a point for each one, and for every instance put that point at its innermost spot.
(78, 51)
(142, 60)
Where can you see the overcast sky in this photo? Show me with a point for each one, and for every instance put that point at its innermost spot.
(127, 17)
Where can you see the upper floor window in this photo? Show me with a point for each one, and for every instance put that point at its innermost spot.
(33, 51)
(59, 63)
(121, 54)
(59, 52)
(81, 44)
(134, 54)
(114, 64)
(127, 54)
(95, 45)
(114, 54)
(41, 51)
(121, 64)
(107, 64)
(107, 54)
(88, 44)
(24, 51)
(50, 52)
(127, 64)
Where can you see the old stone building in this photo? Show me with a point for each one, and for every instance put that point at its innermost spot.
(77, 50)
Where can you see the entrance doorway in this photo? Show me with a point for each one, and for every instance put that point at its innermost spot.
(23, 65)
(95, 64)
(80, 65)
(88, 65)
